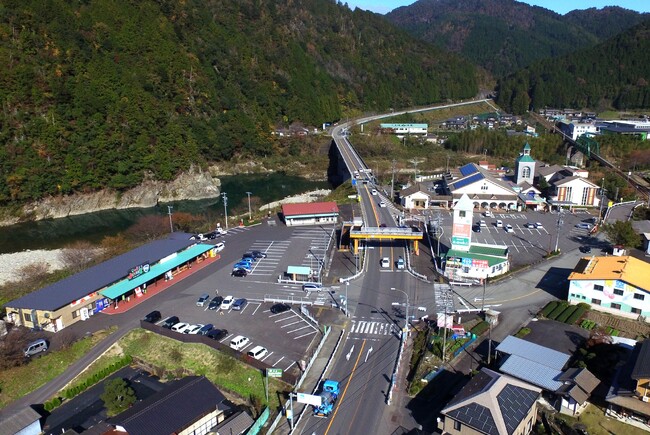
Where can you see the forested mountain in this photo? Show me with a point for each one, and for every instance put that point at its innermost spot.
(612, 74)
(96, 93)
(504, 36)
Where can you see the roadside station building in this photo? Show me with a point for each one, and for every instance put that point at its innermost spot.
(310, 213)
(79, 296)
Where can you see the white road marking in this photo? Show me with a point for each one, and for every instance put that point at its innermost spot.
(304, 335)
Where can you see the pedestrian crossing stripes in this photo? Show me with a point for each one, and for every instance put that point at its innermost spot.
(372, 328)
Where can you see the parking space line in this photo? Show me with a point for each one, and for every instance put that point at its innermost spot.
(289, 324)
(258, 307)
(244, 348)
(304, 335)
(286, 318)
(264, 359)
(515, 246)
(226, 338)
(289, 366)
(278, 362)
(294, 330)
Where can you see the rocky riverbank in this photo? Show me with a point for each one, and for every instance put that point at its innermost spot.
(11, 264)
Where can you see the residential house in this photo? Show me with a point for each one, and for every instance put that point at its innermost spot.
(574, 191)
(617, 285)
(24, 422)
(236, 424)
(629, 396)
(577, 386)
(188, 406)
(310, 213)
(415, 196)
(491, 403)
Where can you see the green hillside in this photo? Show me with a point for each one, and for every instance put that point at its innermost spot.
(97, 93)
(611, 74)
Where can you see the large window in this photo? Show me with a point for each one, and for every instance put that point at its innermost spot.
(618, 292)
(615, 306)
(569, 194)
(598, 288)
(635, 310)
(585, 196)
(457, 425)
(525, 173)
(595, 301)
(639, 296)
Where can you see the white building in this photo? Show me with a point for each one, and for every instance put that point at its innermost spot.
(406, 128)
(617, 285)
(482, 188)
(575, 129)
(574, 191)
(415, 196)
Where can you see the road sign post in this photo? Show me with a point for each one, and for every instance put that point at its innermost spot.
(271, 373)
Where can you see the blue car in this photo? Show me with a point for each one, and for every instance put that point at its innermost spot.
(243, 265)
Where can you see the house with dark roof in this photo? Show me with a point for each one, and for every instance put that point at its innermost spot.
(491, 403)
(310, 213)
(577, 386)
(236, 424)
(629, 396)
(24, 422)
(191, 405)
(415, 196)
(90, 291)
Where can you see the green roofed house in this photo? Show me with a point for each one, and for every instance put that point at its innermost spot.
(479, 262)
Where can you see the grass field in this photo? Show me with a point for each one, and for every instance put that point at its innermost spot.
(19, 381)
(598, 424)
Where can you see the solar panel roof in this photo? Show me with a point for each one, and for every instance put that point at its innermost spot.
(467, 181)
(515, 403)
(477, 416)
(468, 169)
(97, 277)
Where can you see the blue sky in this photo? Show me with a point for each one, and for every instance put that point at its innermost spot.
(559, 6)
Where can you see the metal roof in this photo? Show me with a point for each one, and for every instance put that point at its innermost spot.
(157, 269)
(298, 270)
(533, 352)
(531, 371)
(95, 278)
(15, 423)
(173, 409)
(310, 209)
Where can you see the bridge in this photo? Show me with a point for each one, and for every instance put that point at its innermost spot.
(387, 233)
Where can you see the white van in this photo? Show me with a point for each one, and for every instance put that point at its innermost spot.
(35, 347)
(258, 352)
(219, 247)
(239, 342)
(312, 287)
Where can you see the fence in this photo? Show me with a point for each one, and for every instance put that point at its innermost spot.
(196, 338)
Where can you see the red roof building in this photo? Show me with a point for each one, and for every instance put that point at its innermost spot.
(310, 213)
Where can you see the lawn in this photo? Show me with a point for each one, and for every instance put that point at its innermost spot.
(224, 371)
(598, 424)
(19, 381)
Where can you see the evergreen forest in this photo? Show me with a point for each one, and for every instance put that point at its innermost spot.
(100, 93)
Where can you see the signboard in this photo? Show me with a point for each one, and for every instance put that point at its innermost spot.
(309, 399)
(461, 230)
(467, 261)
(139, 270)
(481, 264)
(459, 241)
(274, 373)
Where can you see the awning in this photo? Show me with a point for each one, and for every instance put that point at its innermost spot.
(118, 289)
(298, 270)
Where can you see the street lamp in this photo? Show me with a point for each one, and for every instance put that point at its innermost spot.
(347, 309)
(169, 211)
(250, 216)
(406, 322)
(225, 207)
(560, 221)
(602, 193)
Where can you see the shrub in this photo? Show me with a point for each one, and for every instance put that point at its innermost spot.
(573, 318)
(69, 393)
(480, 328)
(566, 313)
(584, 305)
(549, 308)
(558, 310)
(48, 406)
(522, 332)
(56, 402)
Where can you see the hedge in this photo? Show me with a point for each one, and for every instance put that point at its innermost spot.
(573, 318)
(549, 307)
(558, 310)
(566, 313)
(92, 380)
(480, 328)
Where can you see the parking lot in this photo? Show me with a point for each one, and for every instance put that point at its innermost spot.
(526, 244)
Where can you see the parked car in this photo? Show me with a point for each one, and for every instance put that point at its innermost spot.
(243, 265)
(400, 263)
(280, 308)
(385, 262)
(584, 226)
(258, 352)
(312, 287)
(211, 235)
(488, 213)
(170, 321)
(227, 302)
(205, 329)
(203, 299)
(498, 223)
(259, 254)
(482, 223)
(239, 272)
(239, 342)
(152, 317)
(180, 327)
(539, 225)
(249, 256)
(217, 334)
(219, 246)
(215, 302)
(239, 304)
(193, 329)
(509, 229)
(35, 347)
(585, 249)
(477, 228)
(374, 191)
(382, 204)
(530, 225)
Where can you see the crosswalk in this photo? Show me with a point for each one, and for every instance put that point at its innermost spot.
(372, 328)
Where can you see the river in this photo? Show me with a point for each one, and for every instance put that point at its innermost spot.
(92, 227)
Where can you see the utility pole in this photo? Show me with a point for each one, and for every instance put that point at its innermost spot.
(250, 216)
(616, 196)
(169, 211)
(225, 207)
(602, 194)
(447, 167)
(560, 221)
(415, 162)
(392, 181)
(483, 299)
